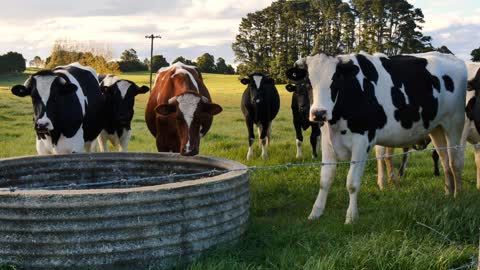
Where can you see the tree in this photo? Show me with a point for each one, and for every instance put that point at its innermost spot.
(444, 49)
(223, 68)
(475, 55)
(206, 63)
(158, 61)
(129, 61)
(12, 62)
(183, 60)
(65, 52)
(37, 62)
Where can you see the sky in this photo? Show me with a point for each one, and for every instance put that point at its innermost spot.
(188, 28)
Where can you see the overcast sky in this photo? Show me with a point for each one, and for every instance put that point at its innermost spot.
(188, 27)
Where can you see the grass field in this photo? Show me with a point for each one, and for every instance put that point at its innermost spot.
(387, 236)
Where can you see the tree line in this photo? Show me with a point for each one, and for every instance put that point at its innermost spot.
(272, 39)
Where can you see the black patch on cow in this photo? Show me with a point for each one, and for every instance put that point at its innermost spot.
(359, 107)
(469, 109)
(368, 148)
(410, 74)
(436, 83)
(343, 132)
(94, 108)
(368, 69)
(448, 83)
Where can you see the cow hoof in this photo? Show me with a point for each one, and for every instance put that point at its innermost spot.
(315, 214)
(249, 157)
(298, 156)
(264, 156)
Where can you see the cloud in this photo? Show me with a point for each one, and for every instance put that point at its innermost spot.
(461, 39)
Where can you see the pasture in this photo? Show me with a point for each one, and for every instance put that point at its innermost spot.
(389, 234)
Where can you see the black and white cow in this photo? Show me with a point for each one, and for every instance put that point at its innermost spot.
(301, 99)
(119, 102)
(363, 100)
(260, 105)
(67, 108)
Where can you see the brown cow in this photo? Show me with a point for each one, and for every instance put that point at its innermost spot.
(179, 111)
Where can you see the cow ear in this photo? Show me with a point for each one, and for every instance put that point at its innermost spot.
(347, 69)
(166, 109)
(21, 91)
(68, 89)
(296, 74)
(142, 90)
(213, 108)
(290, 88)
(245, 81)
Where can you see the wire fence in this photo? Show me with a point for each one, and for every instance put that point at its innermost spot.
(473, 264)
(208, 173)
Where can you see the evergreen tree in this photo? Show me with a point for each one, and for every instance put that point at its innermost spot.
(475, 55)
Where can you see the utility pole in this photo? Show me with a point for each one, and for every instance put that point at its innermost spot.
(151, 37)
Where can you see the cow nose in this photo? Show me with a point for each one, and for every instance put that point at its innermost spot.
(318, 116)
(193, 152)
(41, 126)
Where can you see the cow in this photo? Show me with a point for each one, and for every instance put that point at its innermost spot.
(260, 105)
(67, 108)
(119, 102)
(471, 133)
(362, 100)
(180, 110)
(301, 97)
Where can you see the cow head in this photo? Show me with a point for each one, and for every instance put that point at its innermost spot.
(256, 85)
(303, 92)
(328, 76)
(120, 99)
(193, 114)
(46, 89)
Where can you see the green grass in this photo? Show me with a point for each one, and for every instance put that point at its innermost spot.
(387, 236)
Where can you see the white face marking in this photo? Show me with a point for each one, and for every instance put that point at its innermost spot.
(188, 104)
(44, 84)
(321, 69)
(123, 87)
(258, 80)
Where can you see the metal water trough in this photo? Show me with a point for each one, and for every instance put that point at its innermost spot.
(105, 211)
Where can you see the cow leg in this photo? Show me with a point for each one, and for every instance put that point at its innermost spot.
(299, 135)
(477, 163)
(392, 178)
(379, 154)
(263, 139)
(455, 136)
(404, 162)
(436, 169)
(102, 141)
(359, 153)
(269, 133)
(314, 138)
(91, 146)
(42, 148)
(440, 142)
(327, 175)
(251, 138)
(123, 145)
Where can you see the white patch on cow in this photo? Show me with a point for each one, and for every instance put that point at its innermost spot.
(120, 143)
(360, 76)
(250, 152)
(110, 80)
(45, 121)
(258, 80)
(123, 87)
(44, 85)
(472, 69)
(81, 97)
(188, 104)
(64, 145)
(402, 89)
(86, 68)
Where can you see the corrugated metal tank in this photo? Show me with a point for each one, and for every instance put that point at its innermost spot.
(52, 218)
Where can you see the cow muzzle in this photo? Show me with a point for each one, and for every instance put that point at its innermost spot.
(192, 152)
(42, 128)
(318, 116)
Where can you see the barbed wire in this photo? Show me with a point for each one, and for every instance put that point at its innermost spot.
(214, 172)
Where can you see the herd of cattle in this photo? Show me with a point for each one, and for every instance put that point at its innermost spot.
(356, 102)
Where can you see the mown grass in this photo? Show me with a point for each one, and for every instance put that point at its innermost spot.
(387, 236)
